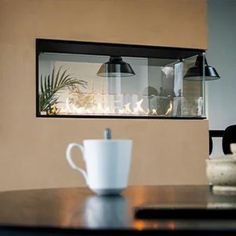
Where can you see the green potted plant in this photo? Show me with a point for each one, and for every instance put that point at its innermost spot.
(51, 84)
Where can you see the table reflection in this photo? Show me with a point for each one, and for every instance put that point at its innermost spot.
(106, 211)
(221, 199)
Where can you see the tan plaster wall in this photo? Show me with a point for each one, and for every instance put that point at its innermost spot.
(32, 149)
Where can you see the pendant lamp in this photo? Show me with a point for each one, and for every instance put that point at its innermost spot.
(197, 71)
(115, 67)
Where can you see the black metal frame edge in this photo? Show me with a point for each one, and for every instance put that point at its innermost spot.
(67, 46)
(37, 77)
(114, 49)
(119, 117)
(216, 133)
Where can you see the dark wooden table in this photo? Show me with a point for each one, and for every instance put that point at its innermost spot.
(77, 211)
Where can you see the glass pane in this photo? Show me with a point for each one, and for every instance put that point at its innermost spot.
(69, 84)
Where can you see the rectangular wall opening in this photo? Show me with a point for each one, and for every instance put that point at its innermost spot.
(95, 80)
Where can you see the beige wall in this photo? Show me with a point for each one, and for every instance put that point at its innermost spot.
(32, 149)
(180, 23)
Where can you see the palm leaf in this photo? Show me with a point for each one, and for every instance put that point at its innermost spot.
(63, 77)
(48, 83)
(52, 83)
(58, 75)
(52, 77)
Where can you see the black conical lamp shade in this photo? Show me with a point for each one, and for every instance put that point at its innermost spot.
(196, 72)
(115, 67)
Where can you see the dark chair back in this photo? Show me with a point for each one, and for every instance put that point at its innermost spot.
(229, 137)
(210, 144)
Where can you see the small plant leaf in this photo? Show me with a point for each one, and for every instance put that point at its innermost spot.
(52, 83)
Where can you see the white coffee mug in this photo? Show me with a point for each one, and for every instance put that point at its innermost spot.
(107, 164)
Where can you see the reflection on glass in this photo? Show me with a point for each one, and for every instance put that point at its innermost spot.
(69, 85)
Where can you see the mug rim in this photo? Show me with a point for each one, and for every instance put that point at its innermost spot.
(108, 140)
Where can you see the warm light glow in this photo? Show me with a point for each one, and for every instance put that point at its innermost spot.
(107, 105)
(169, 109)
(139, 225)
(126, 109)
(154, 112)
(171, 225)
(138, 108)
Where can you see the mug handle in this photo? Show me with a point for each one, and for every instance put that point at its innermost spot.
(70, 159)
